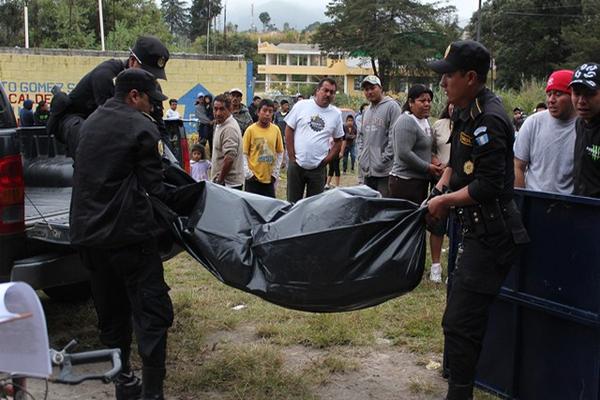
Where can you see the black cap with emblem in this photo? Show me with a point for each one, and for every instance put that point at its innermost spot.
(152, 55)
(588, 75)
(140, 80)
(464, 55)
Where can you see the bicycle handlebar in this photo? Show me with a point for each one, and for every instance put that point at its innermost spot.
(66, 361)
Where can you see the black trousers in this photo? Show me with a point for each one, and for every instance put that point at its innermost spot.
(265, 189)
(415, 190)
(379, 183)
(299, 178)
(481, 266)
(334, 167)
(130, 294)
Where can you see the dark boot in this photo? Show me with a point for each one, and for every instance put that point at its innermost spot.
(152, 383)
(459, 392)
(128, 386)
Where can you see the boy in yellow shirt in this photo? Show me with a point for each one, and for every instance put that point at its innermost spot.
(263, 152)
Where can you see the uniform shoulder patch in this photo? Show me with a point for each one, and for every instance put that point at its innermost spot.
(481, 136)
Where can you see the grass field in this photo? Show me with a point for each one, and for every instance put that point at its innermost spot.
(226, 344)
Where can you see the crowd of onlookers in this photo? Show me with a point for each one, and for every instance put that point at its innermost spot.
(395, 149)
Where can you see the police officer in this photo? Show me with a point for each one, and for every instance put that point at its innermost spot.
(480, 180)
(116, 169)
(67, 112)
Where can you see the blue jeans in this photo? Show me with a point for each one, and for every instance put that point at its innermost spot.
(349, 150)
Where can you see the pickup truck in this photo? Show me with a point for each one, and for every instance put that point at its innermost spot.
(35, 193)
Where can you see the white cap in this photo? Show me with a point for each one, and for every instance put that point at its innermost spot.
(200, 94)
(372, 79)
(236, 90)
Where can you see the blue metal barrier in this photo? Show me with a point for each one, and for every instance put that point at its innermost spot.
(543, 336)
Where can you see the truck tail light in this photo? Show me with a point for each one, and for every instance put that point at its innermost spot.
(12, 193)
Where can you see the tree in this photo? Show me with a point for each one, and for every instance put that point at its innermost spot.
(201, 14)
(286, 27)
(397, 35)
(265, 19)
(176, 16)
(583, 36)
(526, 37)
(311, 27)
(11, 23)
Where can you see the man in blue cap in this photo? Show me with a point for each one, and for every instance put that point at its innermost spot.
(479, 180)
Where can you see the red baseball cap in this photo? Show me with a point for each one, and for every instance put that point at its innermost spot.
(560, 80)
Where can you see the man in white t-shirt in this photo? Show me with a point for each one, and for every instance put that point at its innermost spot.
(545, 144)
(310, 126)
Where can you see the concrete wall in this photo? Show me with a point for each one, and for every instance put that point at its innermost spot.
(31, 74)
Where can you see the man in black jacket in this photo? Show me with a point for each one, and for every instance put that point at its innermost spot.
(67, 112)
(117, 168)
(586, 100)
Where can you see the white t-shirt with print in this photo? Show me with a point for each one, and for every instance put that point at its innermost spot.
(313, 127)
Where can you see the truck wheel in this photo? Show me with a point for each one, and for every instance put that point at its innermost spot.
(73, 293)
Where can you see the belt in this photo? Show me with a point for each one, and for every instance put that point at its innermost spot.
(489, 218)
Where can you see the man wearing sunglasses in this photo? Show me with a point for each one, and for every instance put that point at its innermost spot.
(67, 112)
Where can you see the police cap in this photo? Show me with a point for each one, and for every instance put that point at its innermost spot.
(465, 55)
(141, 80)
(152, 55)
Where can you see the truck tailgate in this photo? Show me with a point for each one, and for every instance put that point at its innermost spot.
(47, 213)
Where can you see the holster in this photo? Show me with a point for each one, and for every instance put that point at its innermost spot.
(493, 218)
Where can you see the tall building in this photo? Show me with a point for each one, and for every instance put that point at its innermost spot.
(292, 65)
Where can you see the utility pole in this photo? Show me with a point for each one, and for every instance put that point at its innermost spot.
(208, 29)
(26, 18)
(225, 25)
(101, 20)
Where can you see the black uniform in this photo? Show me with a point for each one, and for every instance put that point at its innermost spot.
(587, 158)
(69, 111)
(482, 160)
(113, 227)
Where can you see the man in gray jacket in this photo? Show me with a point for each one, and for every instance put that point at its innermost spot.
(376, 154)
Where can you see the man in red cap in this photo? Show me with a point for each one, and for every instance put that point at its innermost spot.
(544, 145)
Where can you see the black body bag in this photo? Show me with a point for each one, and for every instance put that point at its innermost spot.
(342, 250)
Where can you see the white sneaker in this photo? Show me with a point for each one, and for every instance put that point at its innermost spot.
(435, 275)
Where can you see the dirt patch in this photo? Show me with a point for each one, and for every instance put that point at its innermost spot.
(384, 374)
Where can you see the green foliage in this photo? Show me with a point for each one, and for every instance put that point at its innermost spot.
(265, 19)
(531, 38)
(531, 92)
(176, 15)
(583, 37)
(201, 13)
(11, 23)
(400, 34)
(74, 23)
